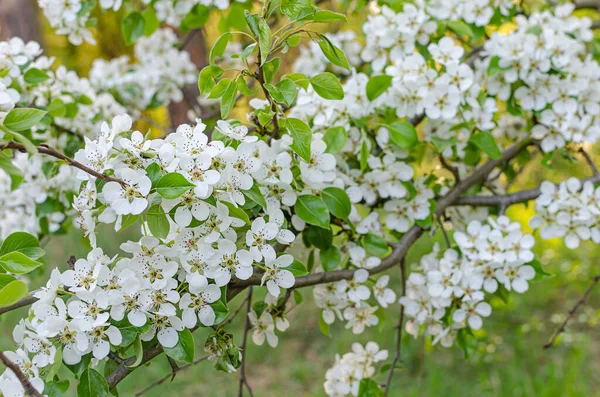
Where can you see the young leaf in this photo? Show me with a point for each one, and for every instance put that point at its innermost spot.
(35, 76)
(151, 22)
(132, 27)
(139, 352)
(377, 85)
(206, 78)
(184, 349)
(11, 290)
(256, 196)
(330, 258)
(334, 54)
(337, 202)
(486, 143)
(460, 28)
(18, 263)
(158, 223)
(218, 48)
(173, 185)
(299, 78)
(302, 135)
(297, 268)
(375, 245)
(228, 99)
(335, 138)
(270, 69)
(312, 210)
(92, 384)
(21, 119)
(327, 86)
(264, 40)
(196, 18)
(403, 134)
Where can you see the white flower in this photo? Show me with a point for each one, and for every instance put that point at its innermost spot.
(263, 328)
(258, 237)
(384, 296)
(239, 133)
(276, 276)
(197, 306)
(472, 311)
(227, 260)
(129, 198)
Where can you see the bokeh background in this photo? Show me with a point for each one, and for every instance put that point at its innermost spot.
(509, 359)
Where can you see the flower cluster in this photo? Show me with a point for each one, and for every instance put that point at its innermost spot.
(343, 378)
(570, 211)
(449, 293)
(156, 78)
(543, 66)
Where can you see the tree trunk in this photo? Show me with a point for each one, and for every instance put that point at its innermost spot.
(196, 46)
(19, 18)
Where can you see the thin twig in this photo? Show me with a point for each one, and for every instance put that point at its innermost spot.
(29, 389)
(169, 375)
(398, 332)
(174, 367)
(449, 167)
(589, 160)
(243, 380)
(444, 232)
(45, 149)
(235, 313)
(580, 302)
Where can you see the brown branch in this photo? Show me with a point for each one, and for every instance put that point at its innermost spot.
(398, 332)
(29, 389)
(243, 381)
(589, 160)
(449, 167)
(26, 301)
(580, 302)
(167, 376)
(235, 313)
(45, 149)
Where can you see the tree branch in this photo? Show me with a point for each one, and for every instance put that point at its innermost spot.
(580, 302)
(45, 149)
(243, 380)
(398, 332)
(29, 389)
(169, 375)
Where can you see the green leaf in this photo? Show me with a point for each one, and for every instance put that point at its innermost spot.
(92, 384)
(312, 210)
(252, 21)
(56, 389)
(196, 18)
(323, 326)
(154, 173)
(300, 79)
(377, 85)
(337, 202)
(375, 245)
(29, 146)
(302, 136)
(334, 54)
(540, 273)
(364, 155)
(220, 308)
(368, 388)
(21, 119)
(55, 367)
(330, 258)
(173, 185)
(237, 212)
(82, 365)
(296, 268)
(18, 263)
(128, 220)
(129, 331)
(151, 22)
(158, 223)
(16, 177)
(228, 99)
(218, 48)
(17, 241)
(324, 16)
(132, 27)
(442, 144)
(486, 143)
(270, 69)
(11, 290)
(335, 138)
(35, 76)
(460, 28)
(206, 79)
(256, 196)
(139, 352)
(327, 86)
(288, 91)
(403, 134)
(219, 89)
(298, 297)
(319, 237)
(184, 349)
(264, 40)
(242, 87)
(494, 66)
(57, 108)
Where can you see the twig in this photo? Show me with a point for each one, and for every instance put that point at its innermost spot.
(580, 302)
(589, 160)
(398, 331)
(444, 232)
(174, 367)
(169, 375)
(29, 389)
(45, 149)
(243, 380)
(449, 167)
(235, 313)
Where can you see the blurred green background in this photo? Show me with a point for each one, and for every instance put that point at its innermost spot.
(509, 359)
